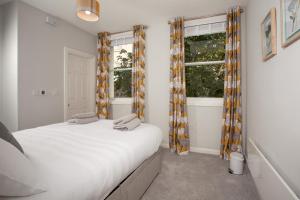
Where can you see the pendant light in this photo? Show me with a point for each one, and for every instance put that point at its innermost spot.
(88, 10)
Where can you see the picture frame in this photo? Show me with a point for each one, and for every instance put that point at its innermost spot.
(269, 35)
(290, 21)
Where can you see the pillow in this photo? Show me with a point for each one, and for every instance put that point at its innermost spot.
(83, 121)
(8, 137)
(17, 174)
(84, 115)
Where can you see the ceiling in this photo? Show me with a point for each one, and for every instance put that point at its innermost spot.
(119, 15)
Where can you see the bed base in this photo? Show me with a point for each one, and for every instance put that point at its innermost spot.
(136, 184)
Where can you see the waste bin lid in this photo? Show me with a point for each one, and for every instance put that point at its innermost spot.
(237, 156)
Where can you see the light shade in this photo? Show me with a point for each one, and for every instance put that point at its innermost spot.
(88, 10)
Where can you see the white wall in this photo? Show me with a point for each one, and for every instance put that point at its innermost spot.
(9, 73)
(273, 97)
(41, 64)
(157, 74)
(205, 122)
(120, 110)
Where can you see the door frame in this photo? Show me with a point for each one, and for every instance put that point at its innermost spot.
(92, 64)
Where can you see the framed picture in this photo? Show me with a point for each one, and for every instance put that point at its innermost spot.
(290, 21)
(268, 35)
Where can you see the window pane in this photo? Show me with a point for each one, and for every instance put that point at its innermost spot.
(205, 48)
(122, 63)
(122, 83)
(205, 80)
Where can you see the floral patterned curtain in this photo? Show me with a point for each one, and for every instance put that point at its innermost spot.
(138, 71)
(232, 110)
(102, 93)
(178, 133)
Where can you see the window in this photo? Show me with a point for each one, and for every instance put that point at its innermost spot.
(205, 59)
(121, 66)
(122, 69)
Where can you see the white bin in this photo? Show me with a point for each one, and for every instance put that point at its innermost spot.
(236, 163)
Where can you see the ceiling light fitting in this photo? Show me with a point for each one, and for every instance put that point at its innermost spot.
(88, 10)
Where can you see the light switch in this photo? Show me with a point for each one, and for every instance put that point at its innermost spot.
(42, 92)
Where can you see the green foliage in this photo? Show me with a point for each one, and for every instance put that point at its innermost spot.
(122, 77)
(205, 80)
(205, 48)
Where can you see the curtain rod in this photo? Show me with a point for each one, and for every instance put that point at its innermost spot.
(205, 16)
(145, 27)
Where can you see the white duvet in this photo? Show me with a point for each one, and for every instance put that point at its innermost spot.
(85, 162)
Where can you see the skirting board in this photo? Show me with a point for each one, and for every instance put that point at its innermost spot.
(269, 183)
(199, 150)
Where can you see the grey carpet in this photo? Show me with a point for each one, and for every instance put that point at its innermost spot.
(199, 177)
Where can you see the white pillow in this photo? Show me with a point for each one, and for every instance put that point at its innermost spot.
(17, 174)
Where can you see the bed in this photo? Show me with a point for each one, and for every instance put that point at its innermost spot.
(92, 161)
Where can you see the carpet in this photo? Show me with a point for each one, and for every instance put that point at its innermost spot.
(199, 177)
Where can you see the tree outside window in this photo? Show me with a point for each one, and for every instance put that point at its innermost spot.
(204, 68)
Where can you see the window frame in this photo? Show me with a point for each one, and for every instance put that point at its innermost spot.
(118, 100)
(205, 101)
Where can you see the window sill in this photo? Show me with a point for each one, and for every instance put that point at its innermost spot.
(121, 101)
(205, 102)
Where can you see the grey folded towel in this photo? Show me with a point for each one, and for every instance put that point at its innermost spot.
(129, 125)
(83, 120)
(84, 115)
(125, 119)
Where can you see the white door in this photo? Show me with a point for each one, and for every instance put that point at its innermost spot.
(79, 85)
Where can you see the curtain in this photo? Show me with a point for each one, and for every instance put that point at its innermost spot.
(102, 90)
(232, 110)
(178, 122)
(138, 71)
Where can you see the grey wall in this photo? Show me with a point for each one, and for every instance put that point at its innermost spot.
(273, 96)
(9, 73)
(41, 64)
(32, 55)
(1, 42)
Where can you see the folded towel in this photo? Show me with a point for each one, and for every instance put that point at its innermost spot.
(125, 119)
(129, 125)
(84, 115)
(83, 120)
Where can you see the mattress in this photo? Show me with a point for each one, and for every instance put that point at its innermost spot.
(85, 162)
